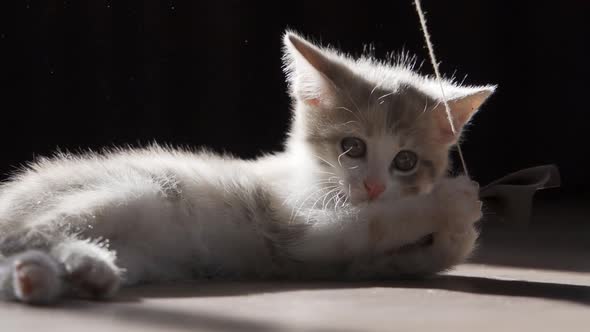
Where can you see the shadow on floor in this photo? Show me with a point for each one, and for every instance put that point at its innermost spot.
(125, 310)
(466, 284)
(491, 286)
(174, 319)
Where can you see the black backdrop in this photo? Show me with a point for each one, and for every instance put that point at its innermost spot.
(85, 74)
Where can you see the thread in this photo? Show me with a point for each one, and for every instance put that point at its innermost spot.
(418, 5)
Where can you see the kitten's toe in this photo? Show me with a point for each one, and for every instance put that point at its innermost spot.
(92, 278)
(36, 278)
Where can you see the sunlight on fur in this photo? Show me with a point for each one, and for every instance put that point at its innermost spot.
(359, 192)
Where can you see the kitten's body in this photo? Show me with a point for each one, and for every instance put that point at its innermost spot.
(171, 215)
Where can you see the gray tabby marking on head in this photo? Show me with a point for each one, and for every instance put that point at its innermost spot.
(387, 106)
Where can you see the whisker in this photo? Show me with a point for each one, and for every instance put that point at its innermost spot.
(352, 101)
(350, 122)
(324, 197)
(311, 187)
(325, 172)
(332, 198)
(371, 94)
(293, 216)
(295, 212)
(375, 88)
(386, 95)
(324, 202)
(349, 193)
(324, 160)
(314, 204)
(351, 112)
(339, 197)
(425, 107)
(342, 154)
(337, 191)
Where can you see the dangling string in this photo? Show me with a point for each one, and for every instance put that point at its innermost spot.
(511, 196)
(439, 78)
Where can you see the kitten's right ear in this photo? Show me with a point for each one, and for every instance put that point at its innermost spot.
(313, 74)
(464, 102)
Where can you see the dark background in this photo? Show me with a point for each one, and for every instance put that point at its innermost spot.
(85, 74)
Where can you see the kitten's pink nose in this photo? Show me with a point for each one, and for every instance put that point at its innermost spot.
(374, 189)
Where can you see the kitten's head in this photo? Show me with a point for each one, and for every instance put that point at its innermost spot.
(378, 128)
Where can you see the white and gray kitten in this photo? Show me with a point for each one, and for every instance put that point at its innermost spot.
(359, 192)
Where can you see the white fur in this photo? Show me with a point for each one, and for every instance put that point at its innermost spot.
(163, 214)
(156, 240)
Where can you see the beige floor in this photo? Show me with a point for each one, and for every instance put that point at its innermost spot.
(533, 279)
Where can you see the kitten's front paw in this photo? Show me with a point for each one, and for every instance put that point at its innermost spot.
(458, 201)
(92, 277)
(35, 278)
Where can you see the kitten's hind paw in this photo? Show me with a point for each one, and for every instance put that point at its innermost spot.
(36, 278)
(91, 277)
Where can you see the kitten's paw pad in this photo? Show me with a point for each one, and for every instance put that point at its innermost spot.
(36, 278)
(459, 199)
(92, 278)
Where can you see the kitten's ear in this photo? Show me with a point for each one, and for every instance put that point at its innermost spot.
(464, 103)
(313, 74)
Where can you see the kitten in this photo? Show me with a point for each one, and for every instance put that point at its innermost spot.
(359, 192)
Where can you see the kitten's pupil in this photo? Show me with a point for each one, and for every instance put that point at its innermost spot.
(354, 147)
(405, 161)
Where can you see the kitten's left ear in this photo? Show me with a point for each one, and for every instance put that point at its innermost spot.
(314, 73)
(464, 103)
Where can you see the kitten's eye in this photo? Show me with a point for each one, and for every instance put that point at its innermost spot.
(354, 147)
(405, 161)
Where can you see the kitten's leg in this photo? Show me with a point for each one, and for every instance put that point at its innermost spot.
(448, 248)
(455, 241)
(445, 250)
(32, 277)
(458, 209)
(340, 238)
(90, 269)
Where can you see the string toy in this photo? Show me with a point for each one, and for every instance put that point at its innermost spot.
(511, 196)
(432, 56)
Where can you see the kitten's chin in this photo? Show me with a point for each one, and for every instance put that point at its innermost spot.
(364, 201)
(360, 198)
